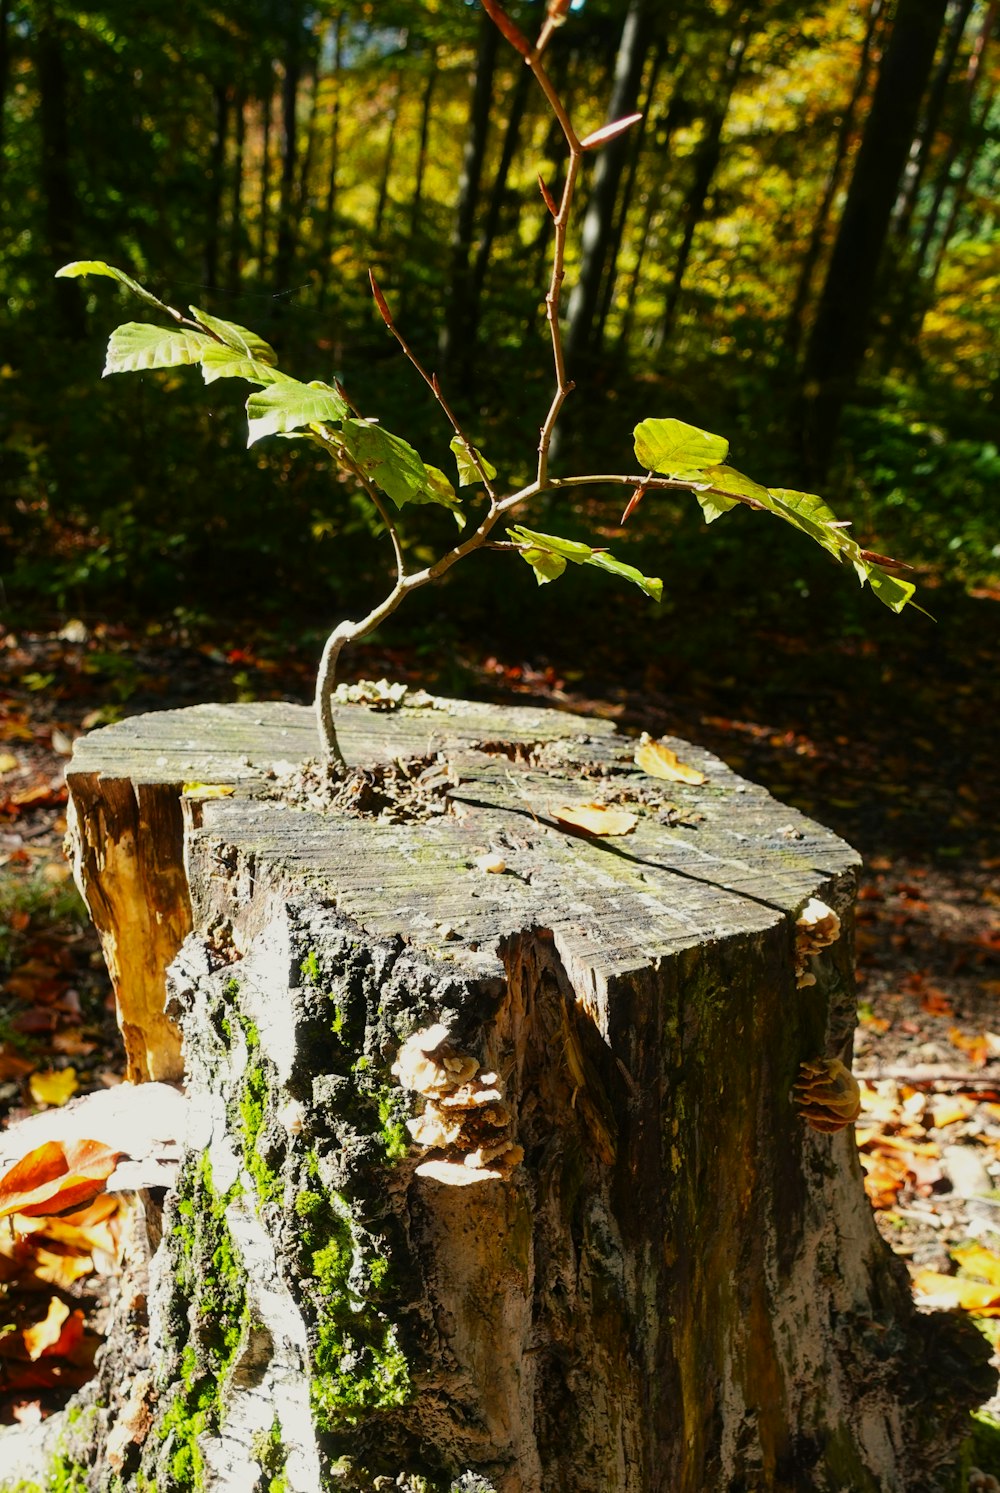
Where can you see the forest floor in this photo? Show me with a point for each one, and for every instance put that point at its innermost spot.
(887, 743)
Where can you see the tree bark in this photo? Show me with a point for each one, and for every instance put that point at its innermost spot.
(598, 221)
(840, 332)
(491, 1178)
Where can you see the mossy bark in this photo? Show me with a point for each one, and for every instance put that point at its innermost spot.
(607, 1256)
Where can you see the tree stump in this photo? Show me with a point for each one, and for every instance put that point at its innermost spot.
(493, 1177)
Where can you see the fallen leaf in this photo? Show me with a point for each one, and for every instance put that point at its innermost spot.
(978, 1260)
(948, 1110)
(8, 762)
(660, 762)
(951, 1290)
(43, 1337)
(208, 790)
(72, 1043)
(55, 1177)
(53, 1087)
(976, 1049)
(596, 819)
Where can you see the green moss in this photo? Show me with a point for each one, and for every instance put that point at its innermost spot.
(217, 1314)
(63, 1475)
(357, 1364)
(271, 1456)
(392, 1112)
(309, 968)
(985, 1449)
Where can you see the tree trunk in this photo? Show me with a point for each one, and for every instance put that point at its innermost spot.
(840, 332)
(216, 185)
(453, 343)
(498, 191)
(425, 130)
(57, 181)
(492, 1176)
(4, 73)
(389, 153)
(598, 222)
(267, 105)
(706, 162)
(329, 206)
(234, 268)
(803, 287)
(285, 251)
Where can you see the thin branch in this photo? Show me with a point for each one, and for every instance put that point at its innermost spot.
(431, 380)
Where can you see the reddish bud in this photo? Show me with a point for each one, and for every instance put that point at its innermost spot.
(505, 25)
(380, 301)
(547, 197)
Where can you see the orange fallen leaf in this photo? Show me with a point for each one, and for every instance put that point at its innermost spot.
(976, 1049)
(55, 1177)
(950, 1290)
(596, 819)
(60, 1270)
(55, 1086)
(660, 762)
(936, 1003)
(43, 795)
(43, 1337)
(978, 1260)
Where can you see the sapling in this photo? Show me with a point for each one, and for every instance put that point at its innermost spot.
(672, 455)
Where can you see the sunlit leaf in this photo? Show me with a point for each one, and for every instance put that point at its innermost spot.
(139, 345)
(55, 1087)
(735, 483)
(468, 471)
(81, 267)
(677, 449)
(978, 1260)
(219, 361)
(238, 338)
(389, 461)
(208, 790)
(56, 1176)
(547, 555)
(596, 819)
(49, 1337)
(438, 489)
(659, 761)
(946, 1291)
(288, 406)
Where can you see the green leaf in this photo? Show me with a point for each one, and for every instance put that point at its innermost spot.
(140, 344)
(676, 449)
(82, 267)
(713, 504)
(220, 361)
(812, 516)
(547, 555)
(889, 589)
(237, 337)
(468, 472)
(390, 462)
(289, 405)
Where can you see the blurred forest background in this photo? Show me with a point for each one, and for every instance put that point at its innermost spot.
(799, 247)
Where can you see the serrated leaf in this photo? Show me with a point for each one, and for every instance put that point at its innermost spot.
(809, 513)
(735, 483)
(237, 337)
(220, 361)
(468, 472)
(139, 344)
(547, 555)
(713, 504)
(288, 406)
(389, 461)
(676, 449)
(890, 590)
(81, 267)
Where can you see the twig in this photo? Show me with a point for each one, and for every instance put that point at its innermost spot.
(931, 1074)
(431, 380)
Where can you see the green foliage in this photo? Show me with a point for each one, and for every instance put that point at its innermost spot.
(289, 405)
(548, 556)
(676, 449)
(471, 463)
(137, 345)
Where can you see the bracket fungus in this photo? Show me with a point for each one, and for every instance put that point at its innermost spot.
(465, 1110)
(816, 927)
(827, 1095)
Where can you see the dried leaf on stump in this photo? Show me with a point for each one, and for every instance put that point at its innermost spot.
(596, 819)
(659, 761)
